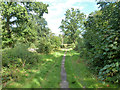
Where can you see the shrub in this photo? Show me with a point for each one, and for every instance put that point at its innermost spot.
(102, 42)
(44, 46)
(19, 55)
(110, 73)
(55, 42)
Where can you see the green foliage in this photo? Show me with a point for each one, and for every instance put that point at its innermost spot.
(19, 24)
(110, 73)
(10, 10)
(62, 46)
(100, 44)
(44, 46)
(16, 60)
(39, 75)
(56, 42)
(72, 26)
(48, 44)
(18, 56)
(78, 75)
(67, 40)
(80, 47)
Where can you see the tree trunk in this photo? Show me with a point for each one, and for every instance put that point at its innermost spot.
(8, 27)
(8, 31)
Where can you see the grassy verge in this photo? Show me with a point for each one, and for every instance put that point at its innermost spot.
(45, 74)
(78, 74)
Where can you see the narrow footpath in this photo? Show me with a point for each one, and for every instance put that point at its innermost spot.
(64, 83)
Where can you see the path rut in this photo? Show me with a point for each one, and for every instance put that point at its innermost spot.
(64, 83)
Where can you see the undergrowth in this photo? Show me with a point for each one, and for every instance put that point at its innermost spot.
(24, 69)
(78, 74)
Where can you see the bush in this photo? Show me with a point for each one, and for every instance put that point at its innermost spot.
(44, 46)
(101, 42)
(19, 55)
(55, 42)
(110, 73)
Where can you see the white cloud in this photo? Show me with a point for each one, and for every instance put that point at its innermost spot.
(57, 9)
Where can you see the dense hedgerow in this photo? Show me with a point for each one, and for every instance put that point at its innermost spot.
(100, 44)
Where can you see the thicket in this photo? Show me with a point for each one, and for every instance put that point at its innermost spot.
(16, 60)
(23, 29)
(19, 24)
(100, 44)
(19, 56)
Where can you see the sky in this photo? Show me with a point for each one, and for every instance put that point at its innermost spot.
(57, 9)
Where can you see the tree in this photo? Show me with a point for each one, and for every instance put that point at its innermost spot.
(101, 41)
(73, 24)
(17, 21)
(55, 40)
(9, 11)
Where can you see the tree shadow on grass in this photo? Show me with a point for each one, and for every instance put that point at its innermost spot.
(79, 76)
(42, 75)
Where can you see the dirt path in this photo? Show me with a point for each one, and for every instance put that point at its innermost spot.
(64, 83)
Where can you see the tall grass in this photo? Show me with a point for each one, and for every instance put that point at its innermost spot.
(39, 70)
(79, 76)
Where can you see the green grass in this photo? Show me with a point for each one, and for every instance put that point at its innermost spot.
(78, 74)
(46, 73)
(42, 75)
